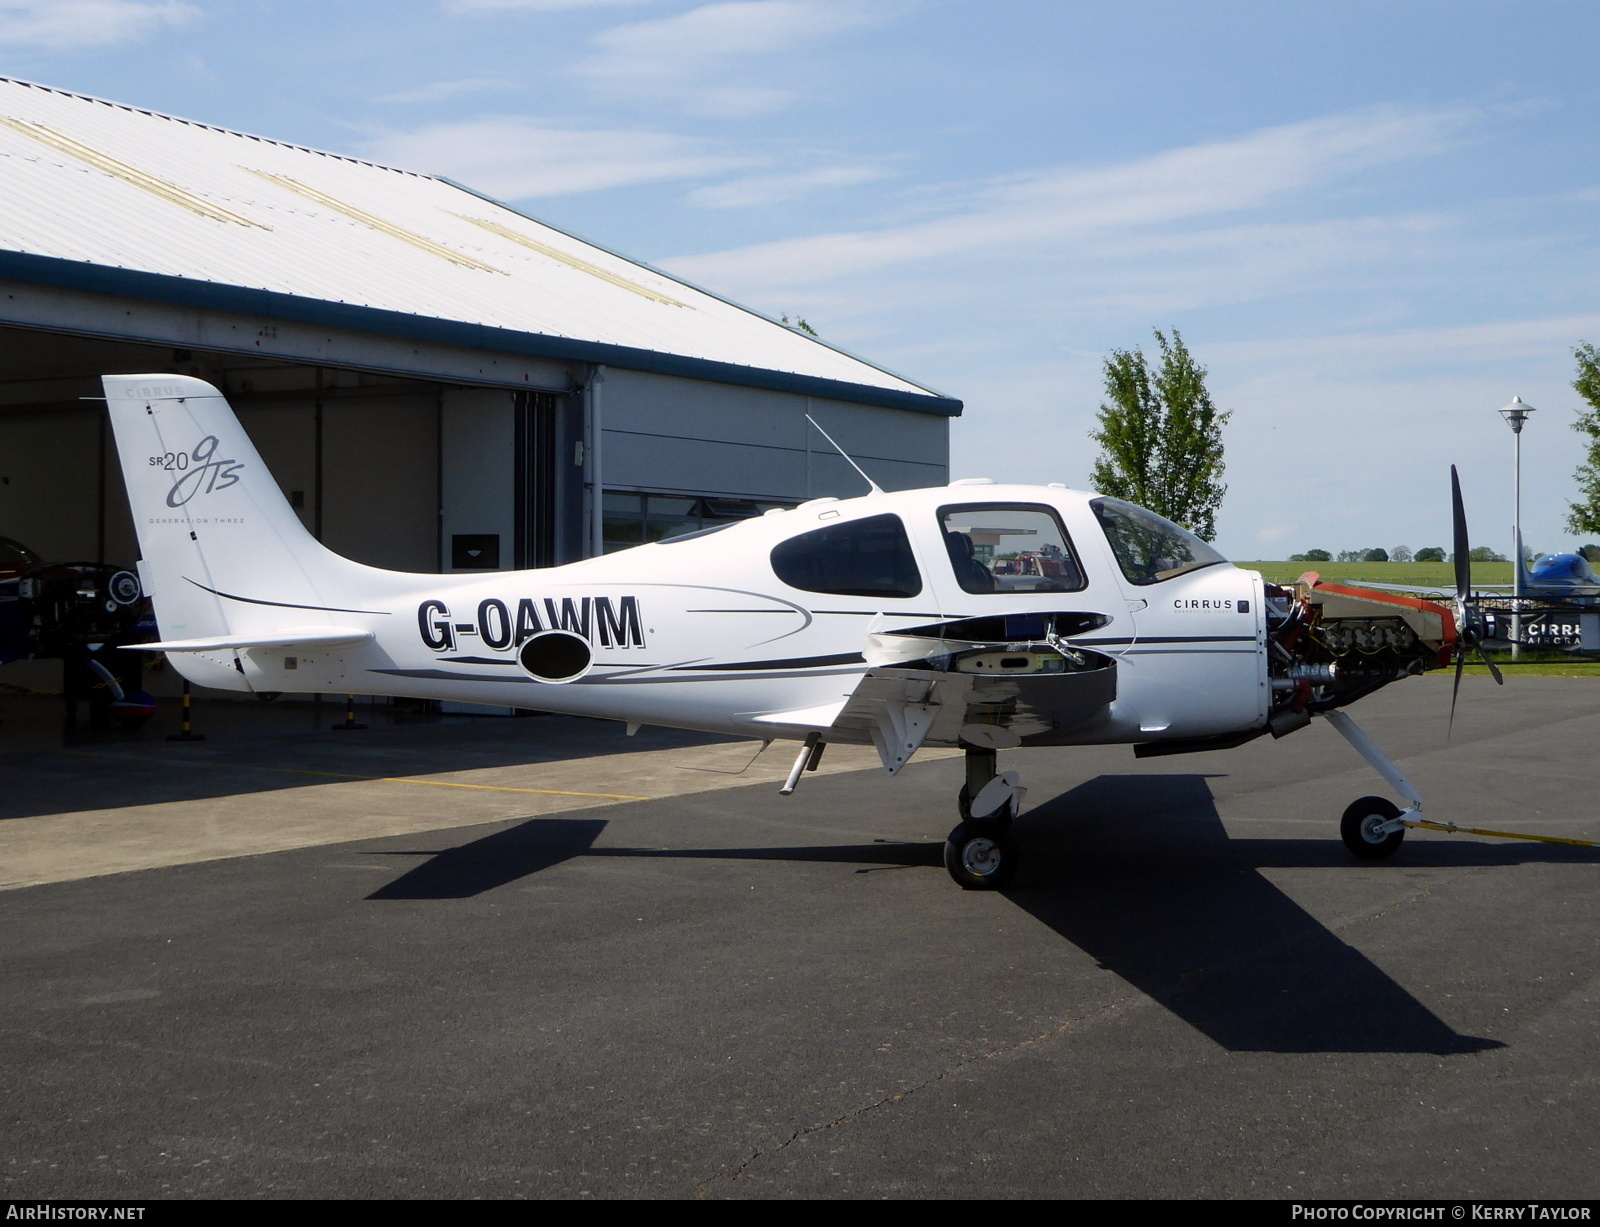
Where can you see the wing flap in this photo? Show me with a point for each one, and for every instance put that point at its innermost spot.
(806, 717)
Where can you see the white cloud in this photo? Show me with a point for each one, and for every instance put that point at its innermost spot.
(530, 6)
(774, 189)
(1048, 210)
(448, 89)
(515, 157)
(1157, 274)
(1349, 357)
(685, 60)
(62, 25)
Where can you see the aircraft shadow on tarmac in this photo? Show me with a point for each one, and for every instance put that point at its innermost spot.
(1139, 873)
(494, 860)
(114, 769)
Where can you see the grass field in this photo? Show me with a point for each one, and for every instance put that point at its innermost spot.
(1432, 574)
(1539, 668)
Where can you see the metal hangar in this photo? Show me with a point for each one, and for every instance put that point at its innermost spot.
(438, 381)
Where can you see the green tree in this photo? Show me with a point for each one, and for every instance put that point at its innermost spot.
(1430, 553)
(1591, 552)
(1584, 517)
(1312, 556)
(798, 323)
(1379, 555)
(1161, 436)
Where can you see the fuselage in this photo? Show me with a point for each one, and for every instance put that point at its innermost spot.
(730, 630)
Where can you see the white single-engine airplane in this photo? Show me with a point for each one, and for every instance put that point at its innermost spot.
(976, 615)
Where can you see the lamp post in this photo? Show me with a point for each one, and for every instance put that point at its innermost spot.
(1516, 414)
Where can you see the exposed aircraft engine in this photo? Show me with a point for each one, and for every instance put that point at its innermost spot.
(1333, 644)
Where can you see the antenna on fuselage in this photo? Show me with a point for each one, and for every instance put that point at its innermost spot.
(876, 488)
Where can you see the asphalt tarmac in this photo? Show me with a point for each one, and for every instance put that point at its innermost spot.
(1190, 991)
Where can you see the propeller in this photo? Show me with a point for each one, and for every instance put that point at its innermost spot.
(1468, 636)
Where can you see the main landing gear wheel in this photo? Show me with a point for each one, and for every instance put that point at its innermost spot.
(980, 855)
(1360, 828)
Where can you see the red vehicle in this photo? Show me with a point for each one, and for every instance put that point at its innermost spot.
(1047, 562)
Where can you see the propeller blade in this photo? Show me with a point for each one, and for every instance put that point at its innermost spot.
(1455, 690)
(1458, 516)
(1494, 672)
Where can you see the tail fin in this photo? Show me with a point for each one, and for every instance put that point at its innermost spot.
(1522, 566)
(223, 554)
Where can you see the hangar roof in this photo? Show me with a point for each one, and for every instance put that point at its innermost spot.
(102, 196)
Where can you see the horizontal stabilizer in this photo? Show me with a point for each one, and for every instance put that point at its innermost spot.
(291, 637)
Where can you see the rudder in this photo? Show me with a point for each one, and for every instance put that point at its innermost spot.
(223, 553)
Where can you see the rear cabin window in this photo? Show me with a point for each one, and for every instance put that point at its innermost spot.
(1148, 548)
(1009, 547)
(870, 557)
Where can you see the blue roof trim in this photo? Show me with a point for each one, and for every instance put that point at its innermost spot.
(187, 292)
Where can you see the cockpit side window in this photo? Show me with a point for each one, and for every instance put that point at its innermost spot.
(1009, 547)
(870, 557)
(1148, 548)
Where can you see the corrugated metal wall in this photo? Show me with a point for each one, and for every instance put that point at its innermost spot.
(666, 433)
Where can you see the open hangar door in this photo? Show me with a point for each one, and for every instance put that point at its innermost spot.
(401, 473)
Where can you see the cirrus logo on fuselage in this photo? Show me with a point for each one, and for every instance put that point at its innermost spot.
(602, 620)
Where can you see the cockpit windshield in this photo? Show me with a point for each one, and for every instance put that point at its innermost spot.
(1148, 548)
(1009, 547)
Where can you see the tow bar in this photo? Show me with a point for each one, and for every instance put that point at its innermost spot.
(1452, 829)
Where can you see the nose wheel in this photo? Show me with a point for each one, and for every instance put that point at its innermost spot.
(981, 854)
(1369, 830)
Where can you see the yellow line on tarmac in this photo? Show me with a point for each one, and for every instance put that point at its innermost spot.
(393, 779)
(383, 779)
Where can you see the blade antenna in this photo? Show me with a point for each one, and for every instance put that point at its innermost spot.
(876, 488)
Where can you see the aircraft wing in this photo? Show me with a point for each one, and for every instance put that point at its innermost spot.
(898, 710)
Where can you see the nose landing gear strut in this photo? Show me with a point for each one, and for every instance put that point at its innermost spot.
(980, 854)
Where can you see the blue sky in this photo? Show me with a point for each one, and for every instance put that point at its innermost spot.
(1373, 222)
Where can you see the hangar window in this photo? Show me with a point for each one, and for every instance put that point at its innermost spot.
(1148, 548)
(638, 519)
(870, 557)
(1009, 547)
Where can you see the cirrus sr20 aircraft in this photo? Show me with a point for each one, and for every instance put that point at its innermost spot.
(976, 615)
